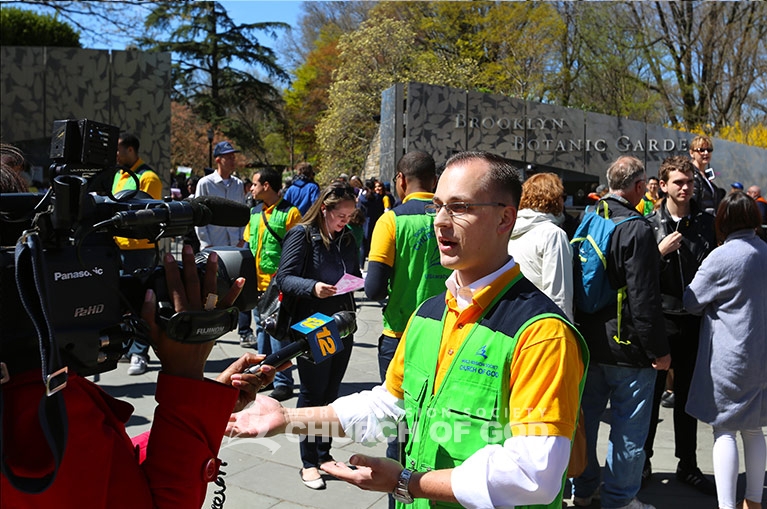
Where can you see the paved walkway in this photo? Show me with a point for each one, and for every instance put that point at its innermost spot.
(263, 473)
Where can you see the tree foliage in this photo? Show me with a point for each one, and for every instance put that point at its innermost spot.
(205, 42)
(97, 23)
(382, 52)
(704, 59)
(20, 27)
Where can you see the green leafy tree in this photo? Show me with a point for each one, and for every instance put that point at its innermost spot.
(599, 64)
(307, 98)
(382, 52)
(206, 45)
(98, 24)
(19, 27)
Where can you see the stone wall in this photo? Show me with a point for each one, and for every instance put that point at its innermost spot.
(575, 144)
(127, 89)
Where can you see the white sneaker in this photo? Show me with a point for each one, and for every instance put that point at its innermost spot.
(137, 365)
(637, 504)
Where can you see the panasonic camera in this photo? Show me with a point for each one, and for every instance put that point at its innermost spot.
(62, 289)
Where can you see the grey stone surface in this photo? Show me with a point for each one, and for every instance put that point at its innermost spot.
(567, 141)
(127, 89)
(264, 474)
(432, 123)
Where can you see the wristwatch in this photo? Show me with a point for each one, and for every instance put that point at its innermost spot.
(401, 492)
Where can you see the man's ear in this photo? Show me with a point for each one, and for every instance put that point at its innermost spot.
(508, 219)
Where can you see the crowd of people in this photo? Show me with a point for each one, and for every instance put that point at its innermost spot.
(481, 331)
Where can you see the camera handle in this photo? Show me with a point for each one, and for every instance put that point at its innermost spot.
(52, 409)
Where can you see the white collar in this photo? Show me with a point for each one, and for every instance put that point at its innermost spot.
(465, 294)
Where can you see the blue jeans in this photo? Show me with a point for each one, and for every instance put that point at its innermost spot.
(281, 378)
(133, 259)
(630, 392)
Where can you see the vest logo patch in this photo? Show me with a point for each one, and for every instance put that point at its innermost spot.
(482, 352)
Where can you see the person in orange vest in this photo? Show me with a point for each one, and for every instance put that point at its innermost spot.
(135, 175)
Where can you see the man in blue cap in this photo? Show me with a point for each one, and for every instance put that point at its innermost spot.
(224, 184)
(736, 186)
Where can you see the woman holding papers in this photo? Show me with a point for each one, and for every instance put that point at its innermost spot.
(319, 260)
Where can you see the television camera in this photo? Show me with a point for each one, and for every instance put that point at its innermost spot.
(62, 294)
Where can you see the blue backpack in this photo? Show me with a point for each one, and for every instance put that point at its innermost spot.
(591, 243)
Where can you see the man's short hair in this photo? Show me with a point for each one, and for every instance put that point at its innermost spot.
(272, 176)
(129, 140)
(305, 169)
(649, 179)
(675, 163)
(624, 172)
(418, 165)
(502, 178)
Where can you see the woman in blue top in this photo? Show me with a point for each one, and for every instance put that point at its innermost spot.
(316, 254)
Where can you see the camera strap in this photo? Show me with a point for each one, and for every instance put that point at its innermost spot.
(52, 412)
(197, 326)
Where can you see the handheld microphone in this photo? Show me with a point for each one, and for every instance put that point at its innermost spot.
(319, 336)
(199, 211)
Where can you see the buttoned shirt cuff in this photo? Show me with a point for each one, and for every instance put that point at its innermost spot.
(525, 470)
(369, 416)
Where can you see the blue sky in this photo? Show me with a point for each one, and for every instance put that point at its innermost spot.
(252, 11)
(256, 11)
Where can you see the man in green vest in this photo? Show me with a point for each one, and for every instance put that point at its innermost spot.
(135, 253)
(269, 221)
(487, 375)
(403, 263)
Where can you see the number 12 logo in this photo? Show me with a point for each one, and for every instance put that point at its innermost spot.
(325, 340)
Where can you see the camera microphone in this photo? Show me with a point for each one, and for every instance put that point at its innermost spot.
(318, 335)
(223, 212)
(199, 211)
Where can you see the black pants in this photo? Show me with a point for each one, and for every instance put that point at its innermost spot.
(682, 332)
(319, 386)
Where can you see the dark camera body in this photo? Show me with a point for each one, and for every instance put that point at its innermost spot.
(92, 309)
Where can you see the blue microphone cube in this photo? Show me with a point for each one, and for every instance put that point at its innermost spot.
(322, 335)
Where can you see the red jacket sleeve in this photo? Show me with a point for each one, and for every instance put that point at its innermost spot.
(100, 466)
(187, 430)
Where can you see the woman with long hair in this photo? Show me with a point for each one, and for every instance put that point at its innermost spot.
(729, 389)
(316, 254)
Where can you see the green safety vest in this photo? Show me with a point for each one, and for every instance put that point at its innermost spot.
(471, 407)
(271, 247)
(130, 184)
(417, 273)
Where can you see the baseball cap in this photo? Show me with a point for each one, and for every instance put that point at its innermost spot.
(223, 147)
(737, 185)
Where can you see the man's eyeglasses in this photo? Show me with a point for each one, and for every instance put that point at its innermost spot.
(702, 150)
(457, 208)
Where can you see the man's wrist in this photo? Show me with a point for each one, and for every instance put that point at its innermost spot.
(401, 491)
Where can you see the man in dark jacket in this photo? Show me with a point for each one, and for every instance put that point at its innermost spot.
(627, 343)
(685, 236)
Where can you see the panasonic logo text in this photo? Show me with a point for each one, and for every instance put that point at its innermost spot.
(78, 274)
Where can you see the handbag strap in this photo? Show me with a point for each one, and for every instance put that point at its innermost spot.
(266, 223)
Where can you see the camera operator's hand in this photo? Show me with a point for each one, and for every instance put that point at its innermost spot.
(185, 359)
(248, 384)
